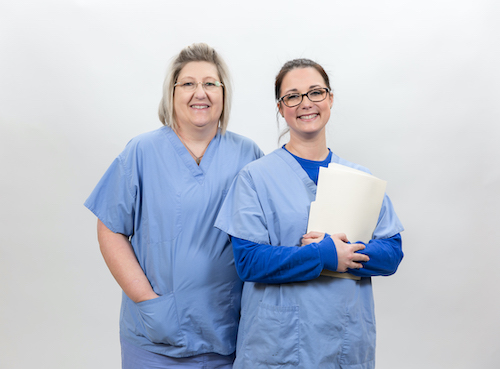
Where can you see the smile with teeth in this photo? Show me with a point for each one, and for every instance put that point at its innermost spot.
(199, 106)
(310, 116)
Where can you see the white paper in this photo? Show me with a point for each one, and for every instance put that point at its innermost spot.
(347, 201)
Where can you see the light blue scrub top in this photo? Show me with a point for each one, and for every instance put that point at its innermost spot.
(156, 194)
(322, 323)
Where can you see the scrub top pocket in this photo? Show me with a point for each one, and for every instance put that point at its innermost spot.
(160, 320)
(273, 338)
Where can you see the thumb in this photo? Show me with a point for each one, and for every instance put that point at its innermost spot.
(342, 237)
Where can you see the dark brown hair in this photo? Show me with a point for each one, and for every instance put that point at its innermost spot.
(294, 64)
(287, 67)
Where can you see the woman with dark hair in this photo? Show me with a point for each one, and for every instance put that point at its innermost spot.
(291, 315)
(156, 206)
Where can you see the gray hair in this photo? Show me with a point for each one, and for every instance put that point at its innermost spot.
(194, 53)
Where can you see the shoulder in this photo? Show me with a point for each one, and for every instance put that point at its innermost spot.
(266, 161)
(265, 166)
(239, 148)
(256, 174)
(147, 138)
(347, 163)
(232, 138)
(146, 142)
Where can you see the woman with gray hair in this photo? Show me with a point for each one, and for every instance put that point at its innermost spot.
(156, 206)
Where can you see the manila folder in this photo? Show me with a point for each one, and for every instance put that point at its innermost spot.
(347, 201)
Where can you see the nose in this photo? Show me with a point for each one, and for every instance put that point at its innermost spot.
(199, 90)
(305, 103)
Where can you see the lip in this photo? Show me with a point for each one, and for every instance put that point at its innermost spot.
(199, 106)
(309, 116)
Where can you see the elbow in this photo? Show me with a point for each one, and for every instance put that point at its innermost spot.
(242, 269)
(397, 256)
(248, 273)
(396, 260)
(242, 273)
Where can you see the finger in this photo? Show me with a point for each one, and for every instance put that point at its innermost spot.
(359, 263)
(356, 266)
(360, 258)
(358, 247)
(341, 236)
(313, 234)
(307, 241)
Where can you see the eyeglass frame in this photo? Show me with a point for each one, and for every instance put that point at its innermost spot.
(307, 95)
(203, 84)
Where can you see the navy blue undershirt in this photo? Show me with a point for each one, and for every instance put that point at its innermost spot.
(311, 166)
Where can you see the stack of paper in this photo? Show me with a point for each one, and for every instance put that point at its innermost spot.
(347, 201)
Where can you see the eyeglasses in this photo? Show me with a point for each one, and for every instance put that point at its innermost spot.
(294, 99)
(191, 86)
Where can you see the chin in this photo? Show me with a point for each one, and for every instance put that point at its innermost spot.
(205, 124)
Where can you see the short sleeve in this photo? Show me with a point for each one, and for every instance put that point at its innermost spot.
(388, 223)
(113, 199)
(241, 215)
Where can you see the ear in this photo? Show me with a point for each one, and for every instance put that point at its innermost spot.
(330, 99)
(280, 109)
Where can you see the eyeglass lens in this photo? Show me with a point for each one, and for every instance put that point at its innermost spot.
(316, 95)
(207, 86)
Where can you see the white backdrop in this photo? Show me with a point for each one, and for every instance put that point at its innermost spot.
(416, 100)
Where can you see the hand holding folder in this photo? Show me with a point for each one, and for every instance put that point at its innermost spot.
(347, 201)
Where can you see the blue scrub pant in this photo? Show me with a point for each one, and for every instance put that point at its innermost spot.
(134, 357)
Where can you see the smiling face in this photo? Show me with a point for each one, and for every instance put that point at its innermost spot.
(198, 109)
(308, 118)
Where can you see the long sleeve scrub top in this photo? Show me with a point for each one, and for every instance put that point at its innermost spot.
(287, 320)
(155, 194)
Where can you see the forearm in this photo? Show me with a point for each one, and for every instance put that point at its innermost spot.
(282, 264)
(385, 256)
(122, 262)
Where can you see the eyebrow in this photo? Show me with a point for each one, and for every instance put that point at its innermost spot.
(189, 77)
(295, 90)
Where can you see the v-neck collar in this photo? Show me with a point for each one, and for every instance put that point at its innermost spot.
(297, 169)
(198, 171)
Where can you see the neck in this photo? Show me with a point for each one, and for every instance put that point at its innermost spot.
(197, 134)
(196, 141)
(310, 149)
